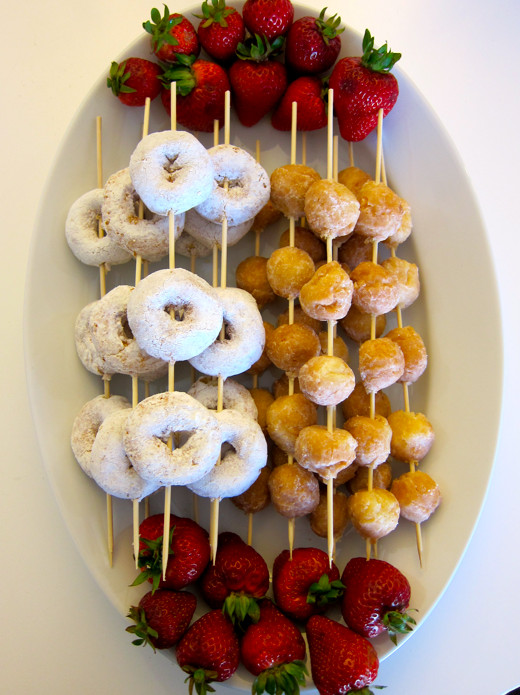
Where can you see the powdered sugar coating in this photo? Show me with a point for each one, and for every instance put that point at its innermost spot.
(89, 355)
(210, 233)
(234, 395)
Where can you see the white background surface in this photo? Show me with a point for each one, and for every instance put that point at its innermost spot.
(59, 632)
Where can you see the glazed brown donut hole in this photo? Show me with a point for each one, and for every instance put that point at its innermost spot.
(328, 294)
(256, 497)
(374, 513)
(331, 209)
(263, 361)
(414, 351)
(412, 436)
(307, 241)
(355, 250)
(286, 416)
(289, 185)
(288, 269)
(294, 491)
(326, 380)
(358, 403)
(381, 477)
(381, 364)
(381, 211)
(373, 436)
(418, 495)
(291, 345)
(353, 178)
(324, 452)
(251, 275)
(318, 518)
(358, 325)
(375, 289)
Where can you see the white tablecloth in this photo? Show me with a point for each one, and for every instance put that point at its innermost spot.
(59, 633)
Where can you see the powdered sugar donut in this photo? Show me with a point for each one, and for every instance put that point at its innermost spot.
(187, 245)
(147, 237)
(248, 186)
(109, 464)
(114, 341)
(239, 467)
(150, 424)
(244, 336)
(81, 232)
(234, 395)
(87, 423)
(171, 171)
(163, 336)
(210, 233)
(89, 355)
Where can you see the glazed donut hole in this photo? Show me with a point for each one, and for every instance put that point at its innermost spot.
(380, 211)
(406, 277)
(412, 436)
(286, 417)
(353, 178)
(318, 518)
(294, 491)
(251, 275)
(376, 290)
(404, 230)
(358, 325)
(381, 477)
(278, 456)
(288, 269)
(266, 216)
(324, 452)
(281, 386)
(339, 346)
(263, 362)
(358, 403)
(291, 345)
(289, 185)
(373, 436)
(374, 513)
(381, 363)
(256, 497)
(299, 316)
(355, 250)
(414, 351)
(328, 294)
(331, 209)
(263, 399)
(307, 241)
(418, 495)
(326, 380)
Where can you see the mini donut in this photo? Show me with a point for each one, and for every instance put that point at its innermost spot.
(188, 246)
(412, 436)
(339, 346)
(357, 325)
(150, 424)
(414, 351)
(328, 294)
(290, 345)
(404, 230)
(324, 452)
(171, 171)
(373, 436)
(286, 416)
(358, 403)
(331, 209)
(82, 232)
(318, 518)
(87, 352)
(160, 334)
(326, 380)
(210, 233)
(374, 513)
(262, 399)
(353, 178)
(289, 185)
(288, 269)
(244, 336)
(147, 237)
(239, 467)
(407, 278)
(234, 395)
(355, 250)
(376, 289)
(281, 386)
(418, 495)
(381, 477)
(251, 276)
(380, 211)
(110, 466)
(116, 343)
(247, 190)
(381, 363)
(87, 423)
(294, 491)
(305, 240)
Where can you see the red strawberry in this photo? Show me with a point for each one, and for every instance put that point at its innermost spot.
(361, 87)
(172, 34)
(201, 87)
(221, 29)
(313, 44)
(161, 618)
(311, 114)
(236, 580)
(209, 651)
(341, 660)
(269, 18)
(257, 80)
(188, 557)
(305, 584)
(274, 650)
(376, 598)
(133, 80)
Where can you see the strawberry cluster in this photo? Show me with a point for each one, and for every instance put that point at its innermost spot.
(242, 624)
(267, 60)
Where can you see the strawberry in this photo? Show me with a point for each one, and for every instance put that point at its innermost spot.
(376, 597)
(341, 660)
(161, 618)
(188, 556)
(258, 81)
(269, 18)
(172, 34)
(307, 92)
(305, 584)
(236, 580)
(361, 87)
(201, 87)
(133, 80)
(220, 30)
(274, 650)
(209, 651)
(313, 44)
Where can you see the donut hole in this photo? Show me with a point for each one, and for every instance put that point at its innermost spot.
(176, 313)
(171, 167)
(225, 182)
(125, 327)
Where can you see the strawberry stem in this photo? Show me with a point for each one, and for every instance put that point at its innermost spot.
(329, 27)
(377, 60)
(160, 28)
(259, 49)
(324, 591)
(216, 12)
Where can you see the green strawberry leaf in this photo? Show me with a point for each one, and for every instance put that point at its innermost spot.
(160, 28)
(329, 28)
(117, 78)
(284, 678)
(259, 49)
(241, 609)
(216, 12)
(398, 623)
(324, 591)
(380, 60)
(141, 628)
(150, 561)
